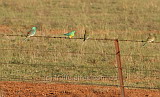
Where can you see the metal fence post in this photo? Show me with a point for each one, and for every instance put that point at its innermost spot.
(120, 75)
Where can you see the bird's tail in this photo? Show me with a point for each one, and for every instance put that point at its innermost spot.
(26, 38)
(66, 34)
(144, 44)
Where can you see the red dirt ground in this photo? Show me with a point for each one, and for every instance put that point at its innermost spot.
(30, 89)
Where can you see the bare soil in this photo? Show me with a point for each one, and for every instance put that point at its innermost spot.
(32, 89)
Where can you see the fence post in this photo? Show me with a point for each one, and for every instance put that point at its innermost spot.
(120, 75)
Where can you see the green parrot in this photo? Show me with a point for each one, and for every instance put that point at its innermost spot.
(30, 33)
(86, 35)
(151, 38)
(70, 34)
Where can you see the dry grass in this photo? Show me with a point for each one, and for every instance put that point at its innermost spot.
(125, 19)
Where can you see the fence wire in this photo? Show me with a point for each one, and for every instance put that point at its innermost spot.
(81, 38)
(93, 62)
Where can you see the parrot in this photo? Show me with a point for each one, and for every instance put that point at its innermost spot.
(151, 38)
(30, 33)
(70, 34)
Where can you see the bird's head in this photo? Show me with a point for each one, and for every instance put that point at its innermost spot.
(74, 31)
(151, 34)
(34, 28)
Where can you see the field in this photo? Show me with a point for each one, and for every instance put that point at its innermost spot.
(73, 60)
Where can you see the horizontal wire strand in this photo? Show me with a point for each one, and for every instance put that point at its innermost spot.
(26, 50)
(83, 38)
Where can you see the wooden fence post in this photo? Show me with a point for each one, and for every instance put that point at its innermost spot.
(120, 75)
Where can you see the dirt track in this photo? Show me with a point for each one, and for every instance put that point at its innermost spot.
(28, 89)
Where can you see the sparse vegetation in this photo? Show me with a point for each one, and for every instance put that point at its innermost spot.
(123, 19)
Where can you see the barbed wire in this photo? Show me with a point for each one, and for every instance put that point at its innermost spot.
(139, 56)
(75, 66)
(107, 54)
(54, 79)
(72, 66)
(142, 87)
(56, 51)
(137, 69)
(83, 38)
(78, 66)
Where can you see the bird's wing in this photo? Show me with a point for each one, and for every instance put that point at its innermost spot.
(29, 32)
(72, 33)
(67, 34)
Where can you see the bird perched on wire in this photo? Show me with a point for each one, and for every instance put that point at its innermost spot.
(30, 33)
(151, 38)
(86, 35)
(70, 34)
